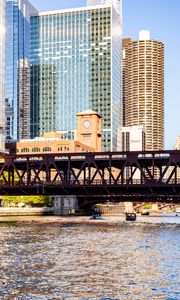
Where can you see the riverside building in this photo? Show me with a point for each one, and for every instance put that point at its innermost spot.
(2, 42)
(133, 138)
(17, 69)
(88, 138)
(143, 88)
(76, 65)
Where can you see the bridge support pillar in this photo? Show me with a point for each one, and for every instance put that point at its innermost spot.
(129, 207)
(65, 205)
(155, 207)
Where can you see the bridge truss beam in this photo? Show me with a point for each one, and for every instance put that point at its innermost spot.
(124, 176)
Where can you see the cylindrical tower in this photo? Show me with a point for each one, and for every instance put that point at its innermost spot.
(143, 88)
(2, 43)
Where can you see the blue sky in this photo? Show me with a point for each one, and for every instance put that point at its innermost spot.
(162, 19)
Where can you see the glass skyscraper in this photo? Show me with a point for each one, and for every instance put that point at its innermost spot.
(76, 65)
(17, 70)
(2, 42)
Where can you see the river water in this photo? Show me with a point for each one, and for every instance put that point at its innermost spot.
(78, 258)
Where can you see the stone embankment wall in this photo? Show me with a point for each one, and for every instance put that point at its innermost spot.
(112, 210)
(24, 211)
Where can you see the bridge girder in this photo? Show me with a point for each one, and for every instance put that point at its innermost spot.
(126, 176)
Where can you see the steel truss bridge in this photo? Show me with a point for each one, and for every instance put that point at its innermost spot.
(151, 176)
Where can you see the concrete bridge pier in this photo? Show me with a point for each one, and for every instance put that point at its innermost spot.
(155, 207)
(129, 207)
(65, 205)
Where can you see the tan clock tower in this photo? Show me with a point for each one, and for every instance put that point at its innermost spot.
(89, 129)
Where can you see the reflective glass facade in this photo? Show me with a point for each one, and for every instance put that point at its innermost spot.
(2, 42)
(75, 65)
(17, 70)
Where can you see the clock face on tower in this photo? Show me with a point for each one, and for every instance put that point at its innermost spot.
(86, 124)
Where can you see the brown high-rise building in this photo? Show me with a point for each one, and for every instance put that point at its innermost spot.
(143, 87)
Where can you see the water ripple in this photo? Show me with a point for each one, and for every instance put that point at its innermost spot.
(85, 261)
